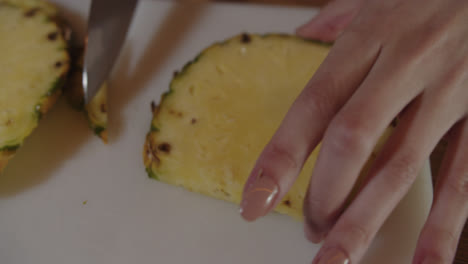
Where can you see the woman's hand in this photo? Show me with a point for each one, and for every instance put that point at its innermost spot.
(394, 57)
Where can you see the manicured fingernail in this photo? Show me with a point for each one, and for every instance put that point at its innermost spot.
(333, 256)
(259, 197)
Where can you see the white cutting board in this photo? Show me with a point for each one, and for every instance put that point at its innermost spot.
(67, 198)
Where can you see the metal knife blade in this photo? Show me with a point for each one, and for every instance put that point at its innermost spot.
(108, 24)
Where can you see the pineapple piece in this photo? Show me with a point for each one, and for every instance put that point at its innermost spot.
(223, 108)
(96, 110)
(97, 113)
(34, 63)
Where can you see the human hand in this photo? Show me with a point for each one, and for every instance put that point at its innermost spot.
(389, 58)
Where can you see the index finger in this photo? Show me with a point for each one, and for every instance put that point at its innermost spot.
(335, 81)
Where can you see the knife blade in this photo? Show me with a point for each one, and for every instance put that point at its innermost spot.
(108, 24)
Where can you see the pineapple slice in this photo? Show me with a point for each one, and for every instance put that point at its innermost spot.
(33, 65)
(223, 108)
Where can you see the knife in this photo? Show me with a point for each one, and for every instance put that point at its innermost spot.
(108, 23)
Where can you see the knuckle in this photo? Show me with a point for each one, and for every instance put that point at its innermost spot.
(445, 236)
(280, 154)
(418, 43)
(431, 257)
(317, 101)
(355, 232)
(458, 183)
(452, 84)
(319, 209)
(348, 135)
(359, 29)
(442, 244)
(314, 205)
(417, 46)
(434, 28)
(329, 30)
(402, 171)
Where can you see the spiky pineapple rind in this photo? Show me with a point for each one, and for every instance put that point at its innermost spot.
(154, 128)
(99, 131)
(10, 148)
(151, 174)
(167, 93)
(6, 153)
(57, 85)
(50, 98)
(96, 113)
(313, 41)
(243, 38)
(5, 157)
(150, 159)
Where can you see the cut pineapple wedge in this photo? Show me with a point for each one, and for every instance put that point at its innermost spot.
(96, 110)
(33, 64)
(223, 108)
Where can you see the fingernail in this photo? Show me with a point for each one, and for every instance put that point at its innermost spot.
(333, 256)
(258, 198)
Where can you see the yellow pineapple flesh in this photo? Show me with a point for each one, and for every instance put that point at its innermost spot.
(223, 108)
